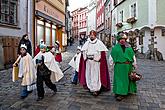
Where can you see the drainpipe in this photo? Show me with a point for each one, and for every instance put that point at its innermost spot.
(33, 35)
(27, 17)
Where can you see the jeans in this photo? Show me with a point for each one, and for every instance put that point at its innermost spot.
(24, 91)
(75, 79)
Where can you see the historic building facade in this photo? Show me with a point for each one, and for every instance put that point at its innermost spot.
(91, 16)
(143, 21)
(50, 22)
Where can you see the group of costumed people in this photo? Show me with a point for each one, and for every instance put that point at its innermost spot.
(90, 68)
(41, 68)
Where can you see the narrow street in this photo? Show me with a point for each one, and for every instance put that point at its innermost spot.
(150, 96)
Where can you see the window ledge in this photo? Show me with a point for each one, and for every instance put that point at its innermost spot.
(131, 20)
(10, 26)
(119, 25)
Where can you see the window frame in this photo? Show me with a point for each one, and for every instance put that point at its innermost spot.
(121, 16)
(15, 18)
(130, 10)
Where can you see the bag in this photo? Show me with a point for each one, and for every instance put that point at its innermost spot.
(58, 57)
(31, 87)
(15, 73)
(134, 76)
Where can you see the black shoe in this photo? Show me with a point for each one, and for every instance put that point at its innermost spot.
(55, 91)
(39, 98)
(74, 83)
(23, 97)
(30, 91)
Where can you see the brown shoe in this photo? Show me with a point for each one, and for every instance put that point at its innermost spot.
(95, 93)
(119, 98)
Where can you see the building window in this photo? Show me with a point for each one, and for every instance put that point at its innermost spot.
(102, 18)
(163, 32)
(121, 16)
(108, 23)
(8, 12)
(115, 2)
(133, 10)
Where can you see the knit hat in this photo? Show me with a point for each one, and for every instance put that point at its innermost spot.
(42, 46)
(121, 37)
(118, 37)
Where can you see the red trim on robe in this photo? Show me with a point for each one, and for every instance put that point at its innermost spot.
(104, 73)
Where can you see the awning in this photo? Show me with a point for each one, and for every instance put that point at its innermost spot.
(49, 18)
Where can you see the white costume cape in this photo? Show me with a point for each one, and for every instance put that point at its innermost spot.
(75, 64)
(51, 64)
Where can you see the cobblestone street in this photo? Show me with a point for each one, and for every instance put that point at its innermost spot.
(150, 96)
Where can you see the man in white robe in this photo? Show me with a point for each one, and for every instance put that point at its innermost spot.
(94, 55)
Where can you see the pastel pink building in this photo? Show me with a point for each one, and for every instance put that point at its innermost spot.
(100, 18)
(79, 22)
(75, 23)
(82, 13)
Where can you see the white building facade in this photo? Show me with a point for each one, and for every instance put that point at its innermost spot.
(91, 16)
(19, 20)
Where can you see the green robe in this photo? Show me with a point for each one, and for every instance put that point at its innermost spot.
(122, 84)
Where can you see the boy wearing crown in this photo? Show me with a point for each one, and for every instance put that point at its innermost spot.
(27, 71)
(47, 71)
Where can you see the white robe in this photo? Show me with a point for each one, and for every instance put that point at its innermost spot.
(51, 64)
(27, 70)
(92, 72)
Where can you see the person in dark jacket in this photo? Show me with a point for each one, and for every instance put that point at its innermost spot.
(25, 40)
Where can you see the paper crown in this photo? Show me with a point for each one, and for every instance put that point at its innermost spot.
(78, 48)
(57, 42)
(23, 46)
(41, 41)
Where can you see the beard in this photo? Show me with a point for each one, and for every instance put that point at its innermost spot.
(92, 39)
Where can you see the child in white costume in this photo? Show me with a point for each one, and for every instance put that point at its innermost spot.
(75, 64)
(27, 71)
(47, 71)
